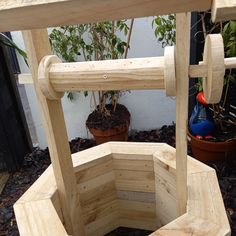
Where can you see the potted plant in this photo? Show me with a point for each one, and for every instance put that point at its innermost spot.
(221, 144)
(98, 41)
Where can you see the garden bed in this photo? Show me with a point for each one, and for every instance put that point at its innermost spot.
(36, 162)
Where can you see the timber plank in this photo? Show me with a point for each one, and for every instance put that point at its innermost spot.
(95, 171)
(141, 181)
(29, 14)
(38, 218)
(133, 165)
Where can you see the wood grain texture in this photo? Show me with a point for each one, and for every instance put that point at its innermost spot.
(120, 74)
(140, 181)
(44, 80)
(187, 225)
(37, 46)
(169, 71)
(182, 86)
(222, 10)
(139, 165)
(29, 14)
(138, 214)
(38, 218)
(133, 150)
(213, 57)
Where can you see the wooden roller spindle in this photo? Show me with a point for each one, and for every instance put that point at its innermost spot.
(135, 74)
(123, 74)
(196, 71)
(230, 63)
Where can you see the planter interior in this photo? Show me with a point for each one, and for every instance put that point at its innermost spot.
(131, 185)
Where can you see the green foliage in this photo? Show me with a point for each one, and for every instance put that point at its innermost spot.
(229, 36)
(87, 42)
(95, 41)
(9, 43)
(165, 29)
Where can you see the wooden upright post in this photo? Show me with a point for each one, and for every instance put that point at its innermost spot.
(37, 46)
(182, 83)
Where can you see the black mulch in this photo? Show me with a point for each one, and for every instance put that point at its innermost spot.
(37, 161)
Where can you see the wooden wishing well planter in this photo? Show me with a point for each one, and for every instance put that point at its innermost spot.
(137, 185)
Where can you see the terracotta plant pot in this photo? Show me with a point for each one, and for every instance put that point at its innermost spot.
(212, 151)
(114, 127)
(118, 133)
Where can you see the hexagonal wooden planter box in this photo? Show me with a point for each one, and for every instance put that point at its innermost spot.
(131, 185)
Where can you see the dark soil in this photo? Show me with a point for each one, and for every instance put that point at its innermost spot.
(37, 161)
(109, 118)
(33, 166)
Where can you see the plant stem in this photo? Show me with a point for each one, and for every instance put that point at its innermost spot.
(94, 99)
(129, 38)
(226, 90)
(203, 26)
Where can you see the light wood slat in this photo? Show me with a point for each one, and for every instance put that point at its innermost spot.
(37, 46)
(22, 14)
(104, 225)
(136, 210)
(182, 82)
(161, 181)
(136, 196)
(223, 10)
(133, 150)
(200, 202)
(100, 212)
(218, 202)
(104, 193)
(38, 218)
(141, 181)
(166, 205)
(96, 182)
(120, 164)
(95, 171)
(91, 157)
(137, 186)
(205, 199)
(138, 214)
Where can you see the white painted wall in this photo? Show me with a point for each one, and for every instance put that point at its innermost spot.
(149, 109)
